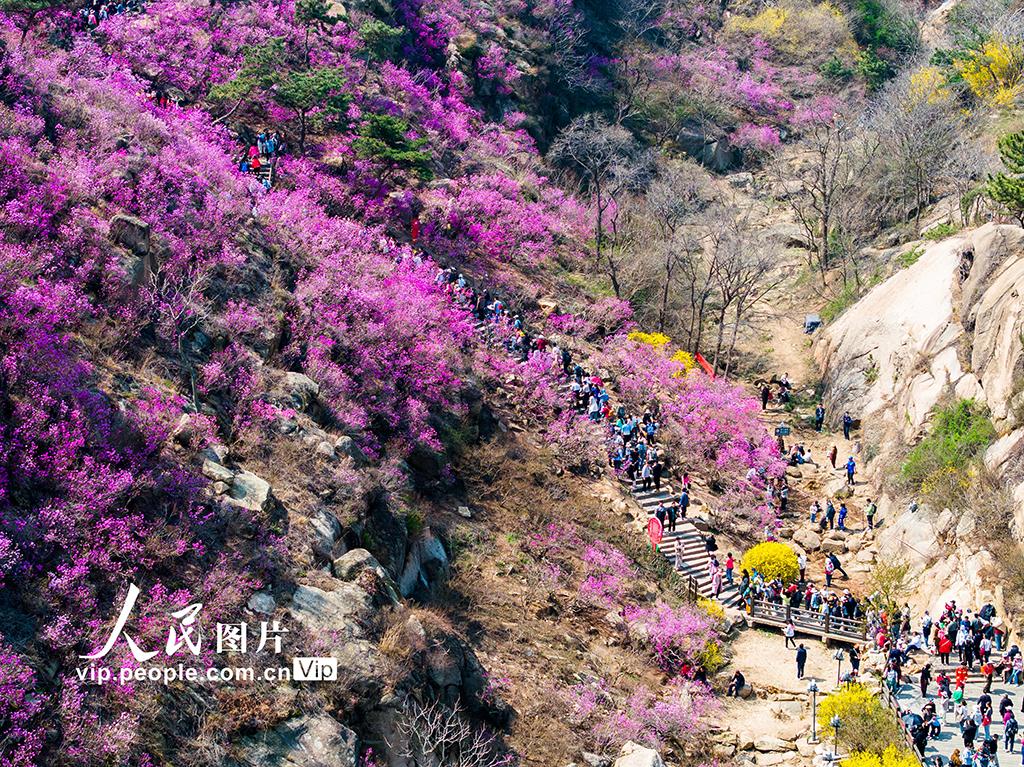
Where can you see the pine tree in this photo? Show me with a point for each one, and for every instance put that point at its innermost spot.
(1007, 189)
(384, 139)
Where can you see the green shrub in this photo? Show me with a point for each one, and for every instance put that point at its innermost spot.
(772, 560)
(834, 69)
(941, 231)
(846, 298)
(414, 523)
(910, 257)
(381, 40)
(945, 458)
(873, 69)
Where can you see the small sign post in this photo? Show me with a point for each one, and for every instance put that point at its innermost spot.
(654, 531)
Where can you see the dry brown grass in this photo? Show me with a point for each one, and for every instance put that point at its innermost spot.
(538, 636)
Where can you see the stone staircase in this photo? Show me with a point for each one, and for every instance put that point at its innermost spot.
(684, 547)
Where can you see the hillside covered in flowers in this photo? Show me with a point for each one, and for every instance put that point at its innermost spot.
(228, 363)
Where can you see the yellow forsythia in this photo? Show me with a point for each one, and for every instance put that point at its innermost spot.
(928, 85)
(686, 360)
(995, 74)
(656, 340)
(772, 560)
(891, 757)
(848, 698)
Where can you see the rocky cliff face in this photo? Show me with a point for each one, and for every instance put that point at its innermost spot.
(951, 324)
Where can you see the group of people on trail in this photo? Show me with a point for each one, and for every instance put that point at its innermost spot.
(587, 393)
(974, 637)
(265, 150)
(783, 390)
(831, 518)
(100, 10)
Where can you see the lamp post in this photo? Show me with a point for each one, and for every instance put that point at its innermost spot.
(836, 724)
(839, 656)
(812, 688)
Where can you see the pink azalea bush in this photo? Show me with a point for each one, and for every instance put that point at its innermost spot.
(675, 714)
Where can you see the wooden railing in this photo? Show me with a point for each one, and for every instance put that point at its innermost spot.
(808, 621)
(889, 698)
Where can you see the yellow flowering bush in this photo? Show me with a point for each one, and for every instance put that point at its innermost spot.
(712, 608)
(891, 757)
(797, 32)
(928, 85)
(710, 658)
(657, 340)
(686, 360)
(995, 74)
(867, 726)
(772, 560)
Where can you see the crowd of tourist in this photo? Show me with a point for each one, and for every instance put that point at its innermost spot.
(97, 11)
(261, 152)
(975, 638)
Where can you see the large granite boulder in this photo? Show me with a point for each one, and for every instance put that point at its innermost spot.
(635, 755)
(305, 741)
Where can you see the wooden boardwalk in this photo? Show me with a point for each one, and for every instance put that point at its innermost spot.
(829, 627)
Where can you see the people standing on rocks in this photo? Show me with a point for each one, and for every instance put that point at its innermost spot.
(766, 394)
(801, 660)
(801, 562)
(819, 417)
(833, 454)
(869, 513)
(830, 515)
(851, 469)
(841, 520)
(730, 565)
(847, 424)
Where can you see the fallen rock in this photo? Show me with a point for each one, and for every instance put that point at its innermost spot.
(251, 492)
(345, 610)
(464, 511)
(216, 472)
(347, 446)
(305, 741)
(595, 760)
(770, 759)
(547, 306)
(324, 535)
(262, 602)
(786, 709)
(807, 538)
(130, 232)
(770, 744)
(426, 563)
(302, 389)
(352, 565)
(833, 546)
(635, 755)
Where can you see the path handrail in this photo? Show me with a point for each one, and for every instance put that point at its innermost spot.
(831, 625)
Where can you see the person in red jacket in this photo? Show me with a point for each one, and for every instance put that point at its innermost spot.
(945, 648)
